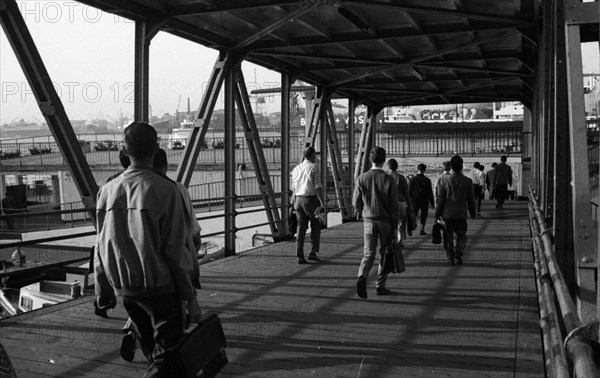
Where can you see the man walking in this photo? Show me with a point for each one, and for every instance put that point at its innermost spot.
(308, 196)
(376, 197)
(502, 180)
(142, 251)
(404, 207)
(455, 198)
(478, 178)
(421, 195)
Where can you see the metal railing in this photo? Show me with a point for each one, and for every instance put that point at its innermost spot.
(578, 344)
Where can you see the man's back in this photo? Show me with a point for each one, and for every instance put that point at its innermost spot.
(142, 235)
(420, 190)
(376, 196)
(503, 174)
(455, 197)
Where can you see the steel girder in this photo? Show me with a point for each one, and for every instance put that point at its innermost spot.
(366, 141)
(49, 102)
(256, 154)
(144, 32)
(339, 179)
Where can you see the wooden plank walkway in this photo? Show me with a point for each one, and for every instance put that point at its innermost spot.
(282, 319)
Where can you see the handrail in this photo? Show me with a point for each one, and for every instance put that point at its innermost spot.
(578, 348)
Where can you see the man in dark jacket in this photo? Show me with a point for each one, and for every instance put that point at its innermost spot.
(421, 195)
(455, 198)
(376, 197)
(502, 180)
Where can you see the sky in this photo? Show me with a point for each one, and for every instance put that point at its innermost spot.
(89, 56)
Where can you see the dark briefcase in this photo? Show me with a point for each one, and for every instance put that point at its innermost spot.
(201, 352)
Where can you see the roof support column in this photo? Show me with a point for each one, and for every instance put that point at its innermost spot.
(145, 30)
(285, 151)
(230, 167)
(259, 162)
(585, 237)
(366, 141)
(48, 101)
(351, 150)
(560, 187)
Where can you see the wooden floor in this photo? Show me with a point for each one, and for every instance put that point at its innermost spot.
(282, 319)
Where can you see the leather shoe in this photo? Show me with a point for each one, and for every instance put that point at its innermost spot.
(383, 291)
(361, 287)
(302, 260)
(128, 346)
(459, 260)
(314, 257)
(423, 232)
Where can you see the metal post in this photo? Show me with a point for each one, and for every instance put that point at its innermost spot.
(229, 139)
(285, 150)
(141, 73)
(351, 150)
(585, 237)
(48, 101)
(561, 187)
(335, 155)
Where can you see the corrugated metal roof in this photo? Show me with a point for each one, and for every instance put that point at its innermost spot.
(383, 52)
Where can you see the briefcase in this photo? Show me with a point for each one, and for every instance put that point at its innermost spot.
(201, 351)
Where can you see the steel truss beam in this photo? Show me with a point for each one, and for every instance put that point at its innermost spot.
(48, 101)
(194, 143)
(256, 154)
(366, 141)
(339, 179)
(286, 84)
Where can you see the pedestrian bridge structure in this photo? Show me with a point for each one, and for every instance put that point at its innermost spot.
(282, 319)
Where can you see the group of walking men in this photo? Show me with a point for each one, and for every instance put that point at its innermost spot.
(388, 201)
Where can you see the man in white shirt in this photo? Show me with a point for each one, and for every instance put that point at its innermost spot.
(478, 178)
(308, 196)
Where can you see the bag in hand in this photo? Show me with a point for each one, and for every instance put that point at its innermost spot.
(436, 233)
(292, 221)
(393, 260)
(321, 215)
(201, 352)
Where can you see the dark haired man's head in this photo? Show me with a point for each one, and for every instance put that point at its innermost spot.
(456, 163)
(124, 159)
(309, 153)
(421, 167)
(476, 164)
(503, 158)
(481, 167)
(141, 141)
(160, 162)
(377, 156)
(446, 165)
(494, 165)
(393, 164)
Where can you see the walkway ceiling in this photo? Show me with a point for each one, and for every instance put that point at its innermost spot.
(379, 52)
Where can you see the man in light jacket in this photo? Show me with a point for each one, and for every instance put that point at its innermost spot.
(142, 251)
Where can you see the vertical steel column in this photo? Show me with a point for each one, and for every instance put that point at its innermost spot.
(549, 121)
(48, 101)
(351, 150)
(229, 139)
(194, 142)
(324, 102)
(285, 150)
(585, 237)
(315, 118)
(145, 30)
(563, 237)
(261, 168)
(141, 73)
(339, 179)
